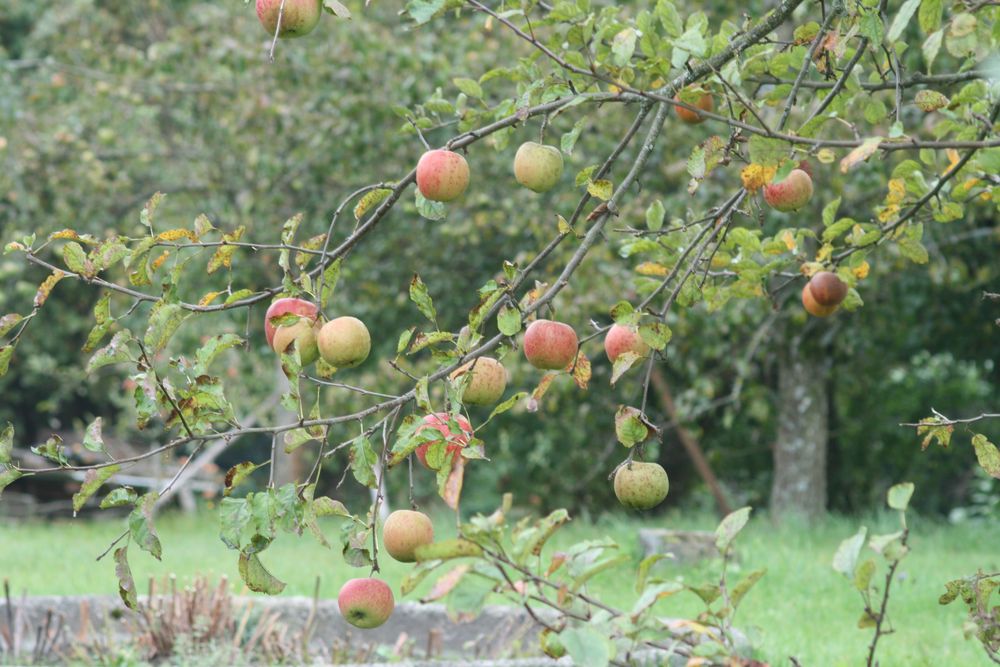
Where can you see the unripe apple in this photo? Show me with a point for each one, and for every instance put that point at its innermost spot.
(404, 531)
(344, 342)
(550, 345)
(298, 17)
(790, 194)
(442, 175)
(705, 103)
(641, 486)
(488, 381)
(621, 339)
(827, 288)
(366, 603)
(537, 166)
(811, 305)
(455, 441)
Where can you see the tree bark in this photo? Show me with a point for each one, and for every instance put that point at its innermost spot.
(799, 485)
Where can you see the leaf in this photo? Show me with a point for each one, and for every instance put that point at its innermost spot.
(987, 455)
(325, 506)
(146, 215)
(470, 87)
(6, 442)
(508, 404)
(899, 496)
(164, 321)
(114, 352)
(846, 557)
(8, 475)
(586, 647)
(223, 256)
(337, 9)
(237, 474)
(446, 583)
(6, 352)
(509, 320)
(52, 449)
(256, 576)
(863, 575)
(654, 216)
(601, 189)
(420, 296)
(730, 527)
(930, 100)
(741, 589)
(331, 276)
(102, 315)
(451, 490)
(363, 460)
(92, 482)
(655, 334)
(119, 497)
(630, 428)
(8, 322)
(92, 438)
(906, 12)
(581, 370)
(140, 525)
(860, 154)
(212, 348)
(76, 259)
(432, 210)
(421, 11)
(623, 362)
(126, 584)
(46, 287)
(370, 199)
(623, 46)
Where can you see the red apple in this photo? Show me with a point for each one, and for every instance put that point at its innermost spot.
(455, 441)
(827, 288)
(366, 603)
(790, 194)
(705, 103)
(304, 331)
(550, 345)
(621, 339)
(442, 175)
(812, 306)
(298, 17)
(488, 381)
(404, 531)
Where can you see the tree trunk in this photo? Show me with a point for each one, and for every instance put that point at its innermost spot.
(799, 485)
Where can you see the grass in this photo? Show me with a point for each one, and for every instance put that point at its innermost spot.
(801, 607)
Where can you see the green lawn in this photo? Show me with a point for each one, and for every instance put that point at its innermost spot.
(801, 608)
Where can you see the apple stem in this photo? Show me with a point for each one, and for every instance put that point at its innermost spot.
(413, 503)
(541, 131)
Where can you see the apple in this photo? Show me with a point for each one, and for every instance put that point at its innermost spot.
(550, 345)
(790, 194)
(621, 339)
(488, 381)
(827, 288)
(537, 166)
(641, 486)
(280, 338)
(366, 603)
(455, 441)
(704, 102)
(404, 531)
(442, 175)
(298, 17)
(344, 342)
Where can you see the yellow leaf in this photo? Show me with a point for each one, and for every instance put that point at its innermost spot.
(755, 176)
(208, 298)
(64, 234)
(651, 269)
(789, 240)
(897, 190)
(860, 154)
(809, 268)
(158, 262)
(174, 235)
(861, 270)
(953, 158)
(826, 155)
(824, 252)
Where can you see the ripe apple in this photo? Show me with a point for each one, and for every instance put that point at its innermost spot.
(304, 330)
(790, 194)
(455, 441)
(366, 603)
(827, 288)
(621, 339)
(550, 345)
(298, 18)
(705, 103)
(641, 486)
(404, 531)
(442, 175)
(537, 166)
(488, 381)
(344, 342)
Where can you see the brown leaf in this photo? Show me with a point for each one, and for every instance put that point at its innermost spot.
(446, 583)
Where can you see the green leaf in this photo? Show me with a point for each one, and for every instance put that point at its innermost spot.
(114, 352)
(215, 345)
(6, 442)
(987, 455)
(126, 584)
(508, 404)
(432, 210)
(92, 438)
(913, 250)
(586, 647)
(830, 212)
(654, 215)
(930, 100)
(509, 320)
(601, 189)
(363, 460)
(6, 352)
(846, 557)
(119, 497)
(929, 16)
(76, 259)
(899, 496)
(237, 474)
(8, 322)
(655, 334)
(906, 12)
(102, 315)
(730, 527)
(629, 426)
(140, 525)
(863, 575)
(623, 46)
(223, 256)
(623, 362)
(162, 324)
(420, 296)
(92, 482)
(331, 275)
(52, 449)
(8, 475)
(767, 152)
(256, 576)
(741, 589)
(370, 199)
(422, 11)
(470, 87)
(567, 142)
